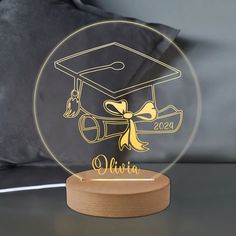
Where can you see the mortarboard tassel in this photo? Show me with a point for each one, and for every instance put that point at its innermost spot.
(73, 103)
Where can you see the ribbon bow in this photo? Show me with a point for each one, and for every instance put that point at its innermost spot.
(129, 138)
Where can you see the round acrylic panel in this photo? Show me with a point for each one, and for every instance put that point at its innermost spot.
(114, 94)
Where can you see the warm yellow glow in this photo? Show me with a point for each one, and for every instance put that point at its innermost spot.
(69, 112)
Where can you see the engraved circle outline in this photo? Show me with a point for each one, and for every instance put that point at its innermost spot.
(196, 83)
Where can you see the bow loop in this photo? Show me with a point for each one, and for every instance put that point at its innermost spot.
(147, 112)
(116, 107)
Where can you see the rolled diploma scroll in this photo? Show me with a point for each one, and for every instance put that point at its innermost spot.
(94, 129)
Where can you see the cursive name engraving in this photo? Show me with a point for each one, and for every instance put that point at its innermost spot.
(102, 165)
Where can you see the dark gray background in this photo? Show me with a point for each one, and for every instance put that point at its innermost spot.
(209, 35)
(30, 29)
(203, 195)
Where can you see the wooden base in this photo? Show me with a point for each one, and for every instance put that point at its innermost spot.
(118, 198)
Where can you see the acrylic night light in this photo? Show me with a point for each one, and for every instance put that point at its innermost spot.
(97, 104)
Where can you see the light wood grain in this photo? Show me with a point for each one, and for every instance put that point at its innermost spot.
(118, 198)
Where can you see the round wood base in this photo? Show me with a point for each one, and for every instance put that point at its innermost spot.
(119, 198)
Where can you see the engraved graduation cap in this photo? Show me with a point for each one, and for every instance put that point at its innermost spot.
(121, 63)
(116, 70)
